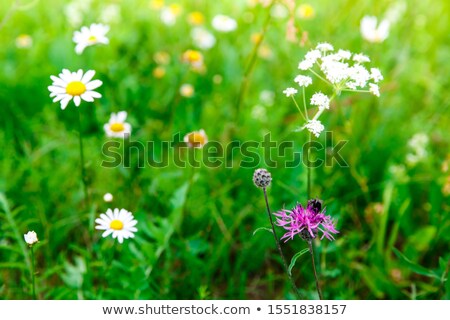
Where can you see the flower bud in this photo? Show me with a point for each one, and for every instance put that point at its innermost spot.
(262, 178)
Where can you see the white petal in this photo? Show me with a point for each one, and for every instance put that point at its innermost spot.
(110, 215)
(58, 82)
(65, 101)
(107, 233)
(77, 100)
(95, 94)
(57, 89)
(79, 48)
(59, 97)
(79, 75)
(88, 76)
(121, 116)
(93, 84)
(87, 97)
(66, 76)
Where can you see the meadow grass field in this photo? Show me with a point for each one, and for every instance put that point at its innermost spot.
(196, 227)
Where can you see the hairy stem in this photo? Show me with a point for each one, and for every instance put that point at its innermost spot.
(314, 269)
(277, 242)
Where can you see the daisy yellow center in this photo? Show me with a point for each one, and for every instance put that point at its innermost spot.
(117, 127)
(92, 39)
(76, 88)
(193, 56)
(197, 139)
(116, 225)
(196, 18)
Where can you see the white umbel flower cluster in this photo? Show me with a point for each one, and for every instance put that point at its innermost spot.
(289, 92)
(342, 69)
(315, 127)
(321, 100)
(303, 81)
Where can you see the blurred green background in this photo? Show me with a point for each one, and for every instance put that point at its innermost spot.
(195, 238)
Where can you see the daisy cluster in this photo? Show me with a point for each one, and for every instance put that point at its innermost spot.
(342, 70)
(78, 86)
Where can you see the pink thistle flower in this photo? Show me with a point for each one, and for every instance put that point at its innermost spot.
(306, 222)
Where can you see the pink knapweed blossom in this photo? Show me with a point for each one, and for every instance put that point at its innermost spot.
(306, 222)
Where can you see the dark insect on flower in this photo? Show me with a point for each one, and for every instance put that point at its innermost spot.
(315, 204)
(262, 178)
(306, 222)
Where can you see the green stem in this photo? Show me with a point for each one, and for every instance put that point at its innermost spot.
(320, 77)
(300, 110)
(33, 284)
(304, 104)
(83, 169)
(314, 269)
(308, 168)
(277, 242)
(252, 62)
(9, 13)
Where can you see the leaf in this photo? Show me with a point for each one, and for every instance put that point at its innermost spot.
(414, 266)
(262, 228)
(294, 259)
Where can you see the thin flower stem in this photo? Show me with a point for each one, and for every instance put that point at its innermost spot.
(83, 169)
(33, 284)
(308, 168)
(314, 268)
(319, 76)
(9, 13)
(304, 104)
(299, 110)
(252, 62)
(355, 90)
(277, 242)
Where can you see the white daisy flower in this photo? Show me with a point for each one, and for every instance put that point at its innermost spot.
(315, 127)
(321, 100)
(116, 126)
(108, 197)
(360, 58)
(30, 238)
(187, 90)
(119, 223)
(373, 32)
(203, 38)
(24, 41)
(303, 81)
(224, 23)
(375, 74)
(374, 89)
(168, 16)
(95, 34)
(196, 139)
(289, 92)
(74, 85)
(324, 47)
